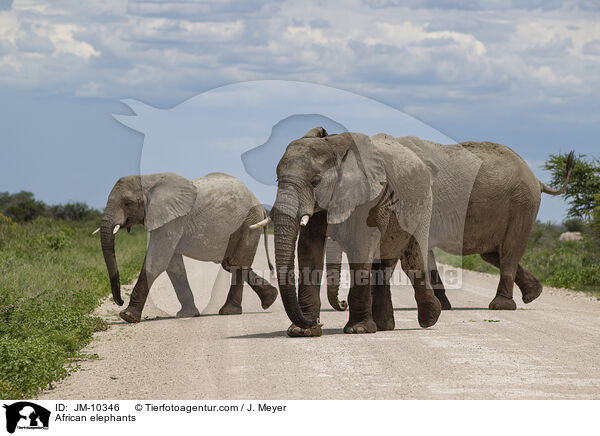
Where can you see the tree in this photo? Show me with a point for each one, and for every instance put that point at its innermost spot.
(21, 206)
(583, 191)
(74, 212)
(596, 216)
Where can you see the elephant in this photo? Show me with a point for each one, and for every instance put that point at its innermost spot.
(485, 201)
(373, 197)
(214, 218)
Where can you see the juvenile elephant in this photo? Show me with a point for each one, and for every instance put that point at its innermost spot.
(485, 201)
(371, 195)
(206, 219)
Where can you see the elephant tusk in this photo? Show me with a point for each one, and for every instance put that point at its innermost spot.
(304, 220)
(95, 231)
(116, 229)
(262, 223)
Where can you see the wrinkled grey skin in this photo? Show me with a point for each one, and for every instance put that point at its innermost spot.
(485, 201)
(372, 196)
(205, 219)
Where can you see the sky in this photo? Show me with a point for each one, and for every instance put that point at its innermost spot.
(522, 73)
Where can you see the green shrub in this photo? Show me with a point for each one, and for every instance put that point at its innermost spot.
(595, 226)
(23, 207)
(574, 225)
(563, 264)
(52, 277)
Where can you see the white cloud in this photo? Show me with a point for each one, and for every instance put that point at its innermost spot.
(90, 89)
(62, 37)
(433, 53)
(546, 76)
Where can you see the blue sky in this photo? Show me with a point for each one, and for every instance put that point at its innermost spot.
(524, 74)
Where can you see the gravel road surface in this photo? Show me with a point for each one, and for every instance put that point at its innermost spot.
(547, 349)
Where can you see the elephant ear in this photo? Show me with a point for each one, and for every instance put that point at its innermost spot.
(168, 196)
(360, 175)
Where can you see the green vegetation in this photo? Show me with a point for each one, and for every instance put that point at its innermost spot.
(560, 264)
(566, 264)
(23, 207)
(52, 277)
(583, 192)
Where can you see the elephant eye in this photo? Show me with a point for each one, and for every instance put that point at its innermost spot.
(128, 202)
(315, 180)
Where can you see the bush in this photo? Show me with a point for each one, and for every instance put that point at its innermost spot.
(73, 212)
(23, 207)
(562, 264)
(52, 277)
(575, 225)
(595, 225)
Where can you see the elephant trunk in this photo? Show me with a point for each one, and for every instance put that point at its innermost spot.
(107, 239)
(286, 234)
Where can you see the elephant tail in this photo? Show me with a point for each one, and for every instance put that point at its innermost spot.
(568, 169)
(265, 233)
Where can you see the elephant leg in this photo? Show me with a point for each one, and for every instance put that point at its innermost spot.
(265, 291)
(233, 304)
(239, 255)
(504, 295)
(510, 252)
(360, 300)
(383, 311)
(530, 287)
(436, 282)
(311, 250)
(413, 264)
(178, 277)
(161, 248)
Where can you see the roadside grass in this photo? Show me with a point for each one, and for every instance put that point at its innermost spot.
(52, 277)
(561, 264)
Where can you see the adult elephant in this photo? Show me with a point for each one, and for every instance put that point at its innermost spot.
(499, 210)
(485, 201)
(372, 196)
(214, 218)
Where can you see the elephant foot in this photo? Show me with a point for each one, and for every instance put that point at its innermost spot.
(268, 298)
(230, 309)
(366, 326)
(383, 317)
(188, 313)
(131, 315)
(501, 302)
(441, 296)
(428, 313)
(532, 292)
(294, 331)
(386, 324)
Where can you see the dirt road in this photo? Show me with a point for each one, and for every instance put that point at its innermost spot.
(548, 349)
